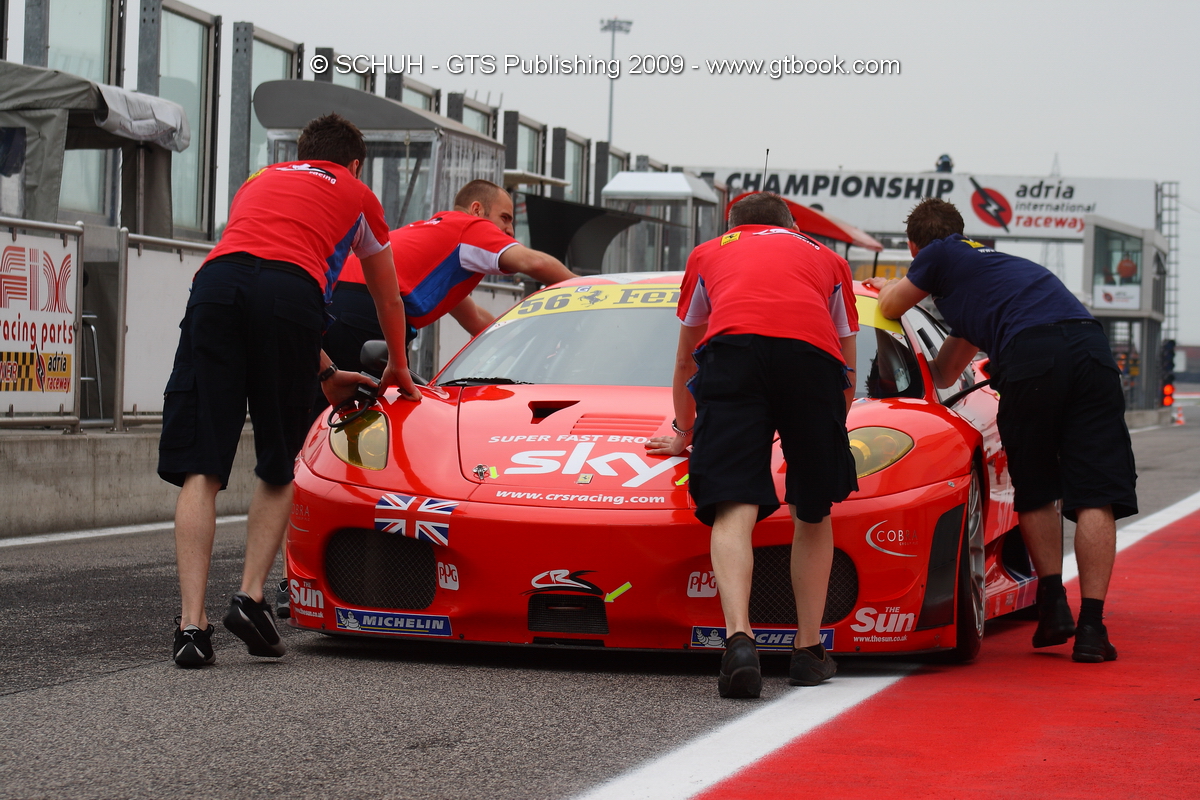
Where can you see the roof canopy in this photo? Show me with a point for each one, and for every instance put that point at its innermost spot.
(658, 186)
(290, 105)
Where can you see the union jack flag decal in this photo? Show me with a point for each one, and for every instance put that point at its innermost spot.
(423, 518)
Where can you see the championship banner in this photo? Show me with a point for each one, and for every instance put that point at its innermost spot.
(37, 323)
(992, 206)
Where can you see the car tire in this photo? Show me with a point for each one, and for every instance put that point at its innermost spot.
(969, 596)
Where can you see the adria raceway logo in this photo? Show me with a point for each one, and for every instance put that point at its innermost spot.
(556, 580)
(991, 207)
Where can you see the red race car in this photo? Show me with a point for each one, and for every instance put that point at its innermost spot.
(517, 504)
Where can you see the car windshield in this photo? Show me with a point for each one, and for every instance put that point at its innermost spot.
(555, 337)
(597, 347)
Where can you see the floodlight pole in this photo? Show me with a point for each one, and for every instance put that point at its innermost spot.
(614, 26)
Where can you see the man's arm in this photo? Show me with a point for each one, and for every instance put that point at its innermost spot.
(379, 270)
(540, 266)
(895, 297)
(953, 357)
(850, 356)
(685, 404)
(473, 317)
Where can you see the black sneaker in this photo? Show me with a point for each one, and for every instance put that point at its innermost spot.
(193, 647)
(1092, 645)
(251, 622)
(283, 608)
(1055, 623)
(740, 675)
(808, 670)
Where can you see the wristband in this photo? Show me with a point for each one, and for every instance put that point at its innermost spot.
(675, 427)
(327, 373)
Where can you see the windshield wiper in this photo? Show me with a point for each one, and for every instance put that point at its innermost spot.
(480, 381)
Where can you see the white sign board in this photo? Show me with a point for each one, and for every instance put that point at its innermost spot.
(1127, 297)
(992, 206)
(159, 283)
(37, 323)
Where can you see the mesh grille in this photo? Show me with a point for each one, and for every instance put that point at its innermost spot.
(772, 601)
(380, 570)
(567, 613)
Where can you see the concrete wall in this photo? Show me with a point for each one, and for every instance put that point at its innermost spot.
(55, 482)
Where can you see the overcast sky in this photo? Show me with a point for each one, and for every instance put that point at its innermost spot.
(1111, 87)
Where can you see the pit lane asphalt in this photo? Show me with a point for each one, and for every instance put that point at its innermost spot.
(90, 705)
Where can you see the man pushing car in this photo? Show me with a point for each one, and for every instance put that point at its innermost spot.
(251, 335)
(766, 344)
(1061, 414)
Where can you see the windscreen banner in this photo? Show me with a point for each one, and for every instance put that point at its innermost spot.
(992, 206)
(37, 323)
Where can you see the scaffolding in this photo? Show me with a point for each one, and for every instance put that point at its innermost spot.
(1168, 225)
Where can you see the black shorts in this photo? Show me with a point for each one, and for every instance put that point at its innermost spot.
(747, 388)
(1062, 420)
(250, 335)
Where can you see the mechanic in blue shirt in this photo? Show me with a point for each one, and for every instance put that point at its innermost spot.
(1061, 414)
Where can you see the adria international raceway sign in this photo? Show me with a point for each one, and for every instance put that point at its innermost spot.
(992, 206)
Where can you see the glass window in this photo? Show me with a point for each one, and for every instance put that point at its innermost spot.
(615, 164)
(576, 348)
(1118, 259)
(411, 97)
(930, 336)
(576, 165)
(183, 70)
(352, 79)
(886, 366)
(528, 149)
(477, 120)
(12, 172)
(79, 38)
(269, 64)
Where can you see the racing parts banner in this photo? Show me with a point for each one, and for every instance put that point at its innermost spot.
(992, 206)
(37, 323)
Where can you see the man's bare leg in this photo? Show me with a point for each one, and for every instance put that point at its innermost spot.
(265, 528)
(195, 528)
(812, 557)
(1042, 531)
(1095, 550)
(733, 562)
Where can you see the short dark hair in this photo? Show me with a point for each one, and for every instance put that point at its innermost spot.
(477, 191)
(761, 208)
(932, 219)
(331, 138)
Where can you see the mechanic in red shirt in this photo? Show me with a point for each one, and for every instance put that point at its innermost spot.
(438, 262)
(251, 335)
(769, 323)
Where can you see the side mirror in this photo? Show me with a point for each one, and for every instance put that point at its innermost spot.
(374, 357)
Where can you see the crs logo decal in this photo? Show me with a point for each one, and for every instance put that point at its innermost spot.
(557, 580)
(991, 207)
(702, 584)
(889, 621)
(884, 538)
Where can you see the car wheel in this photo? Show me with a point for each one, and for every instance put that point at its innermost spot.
(969, 598)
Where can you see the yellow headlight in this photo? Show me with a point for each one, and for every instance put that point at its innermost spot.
(877, 448)
(362, 443)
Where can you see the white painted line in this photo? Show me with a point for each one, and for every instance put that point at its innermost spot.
(717, 755)
(1143, 430)
(95, 533)
(735, 745)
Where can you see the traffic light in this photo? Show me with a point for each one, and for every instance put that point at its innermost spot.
(1168, 372)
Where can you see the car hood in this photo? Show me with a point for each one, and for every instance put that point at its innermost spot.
(569, 445)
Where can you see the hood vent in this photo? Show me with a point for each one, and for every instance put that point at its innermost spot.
(618, 424)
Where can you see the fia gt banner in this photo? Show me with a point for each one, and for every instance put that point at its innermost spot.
(37, 323)
(992, 206)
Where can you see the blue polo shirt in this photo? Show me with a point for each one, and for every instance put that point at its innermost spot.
(986, 296)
